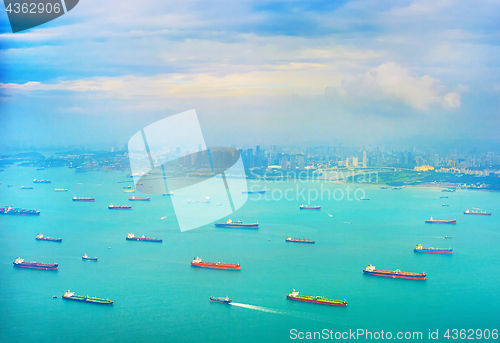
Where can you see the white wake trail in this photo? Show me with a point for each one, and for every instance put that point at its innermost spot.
(295, 314)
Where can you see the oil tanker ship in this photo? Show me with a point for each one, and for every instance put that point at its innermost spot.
(436, 221)
(419, 248)
(370, 270)
(298, 240)
(477, 212)
(19, 262)
(237, 225)
(86, 258)
(197, 262)
(139, 199)
(86, 299)
(83, 199)
(294, 295)
(18, 211)
(222, 300)
(131, 237)
(40, 237)
(119, 207)
(307, 207)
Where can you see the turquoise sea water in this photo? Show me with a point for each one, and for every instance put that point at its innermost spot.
(159, 297)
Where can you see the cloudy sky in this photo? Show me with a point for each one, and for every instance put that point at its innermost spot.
(256, 72)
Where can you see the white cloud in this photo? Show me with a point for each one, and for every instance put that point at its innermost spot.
(392, 81)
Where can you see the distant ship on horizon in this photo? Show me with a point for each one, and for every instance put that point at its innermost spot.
(307, 207)
(437, 221)
(477, 212)
(40, 237)
(237, 224)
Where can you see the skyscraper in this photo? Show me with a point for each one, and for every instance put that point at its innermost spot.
(293, 162)
(284, 160)
(364, 159)
(302, 164)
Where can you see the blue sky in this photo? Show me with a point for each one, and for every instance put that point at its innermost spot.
(257, 72)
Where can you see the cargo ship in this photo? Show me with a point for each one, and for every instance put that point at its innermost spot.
(83, 199)
(197, 262)
(419, 248)
(86, 299)
(129, 191)
(445, 205)
(364, 198)
(41, 238)
(19, 262)
(449, 190)
(237, 225)
(85, 257)
(397, 274)
(436, 221)
(294, 295)
(41, 181)
(443, 197)
(23, 187)
(477, 212)
(448, 237)
(139, 199)
(61, 190)
(222, 300)
(252, 192)
(168, 194)
(131, 237)
(298, 240)
(307, 207)
(18, 211)
(119, 207)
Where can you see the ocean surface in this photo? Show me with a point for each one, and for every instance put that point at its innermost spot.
(159, 297)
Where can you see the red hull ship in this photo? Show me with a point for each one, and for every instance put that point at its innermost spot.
(139, 199)
(197, 262)
(397, 274)
(41, 238)
(131, 237)
(19, 262)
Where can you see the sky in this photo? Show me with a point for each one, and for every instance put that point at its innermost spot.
(256, 72)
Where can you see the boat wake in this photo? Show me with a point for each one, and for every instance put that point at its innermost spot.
(295, 314)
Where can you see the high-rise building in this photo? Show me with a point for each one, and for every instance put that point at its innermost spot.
(347, 162)
(284, 160)
(355, 162)
(302, 162)
(364, 159)
(293, 162)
